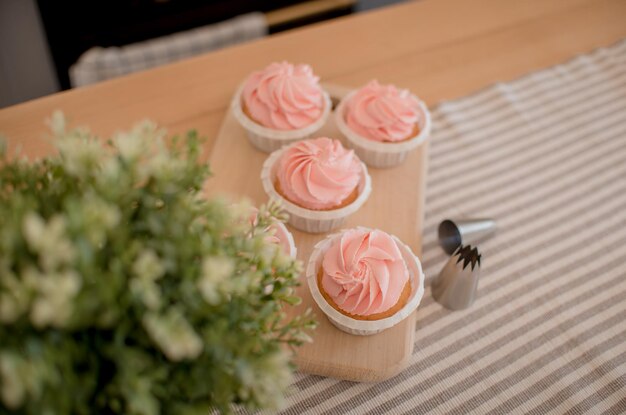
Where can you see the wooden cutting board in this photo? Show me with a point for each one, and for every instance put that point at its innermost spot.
(396, 206)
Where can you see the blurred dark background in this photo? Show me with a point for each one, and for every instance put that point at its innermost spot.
(40, 40)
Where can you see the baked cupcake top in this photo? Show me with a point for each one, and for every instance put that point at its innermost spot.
(318, 173)
(383, 113)
(363, 272)
(283, 96)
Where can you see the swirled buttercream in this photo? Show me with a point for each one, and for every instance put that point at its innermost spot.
(318, 173)
(364, 273)
(283, 96)
(383, 113)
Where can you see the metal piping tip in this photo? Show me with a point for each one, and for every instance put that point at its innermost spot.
(454, 233)
(456, 285)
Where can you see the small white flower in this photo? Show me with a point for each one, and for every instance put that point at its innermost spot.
(148, 265)
(209, 291)
(173, 334)
(268, 289)
(147, 268)
(99, 217)
(48, 240)
(20, 378)
(79, 154)
(147, 291)
(52, 305)
(217, 268)
(110, 170)
(215, 271)
(130, 146)
(33, 226)
(13, 389)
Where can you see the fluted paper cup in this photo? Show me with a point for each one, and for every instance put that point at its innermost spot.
(364, 327)
(281, 232)
(376, 153)
(293, 251)
(308, 220)
(267, 139)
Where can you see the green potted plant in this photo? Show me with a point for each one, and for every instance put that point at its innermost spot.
(124, 290)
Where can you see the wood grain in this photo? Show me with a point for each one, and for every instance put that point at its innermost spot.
(440, 49)
(396, 205)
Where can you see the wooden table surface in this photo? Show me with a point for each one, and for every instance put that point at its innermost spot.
(440, 49)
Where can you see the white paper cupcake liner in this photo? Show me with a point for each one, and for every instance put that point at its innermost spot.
(307, 220)
(376, 153)
(280, 230)
(293, 250)
(267, 139)
(365, 327)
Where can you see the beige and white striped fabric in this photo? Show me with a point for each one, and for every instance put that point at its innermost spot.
(545, 156)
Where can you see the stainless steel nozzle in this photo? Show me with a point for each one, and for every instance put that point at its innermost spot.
(456, 285)
(456, 232)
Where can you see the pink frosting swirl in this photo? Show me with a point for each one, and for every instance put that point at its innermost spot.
(364, 272)
(318, 173)
(284, 96)
(382, 113)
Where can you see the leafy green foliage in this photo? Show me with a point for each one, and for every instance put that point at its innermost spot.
(123, 290)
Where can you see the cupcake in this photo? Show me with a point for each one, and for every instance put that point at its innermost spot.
(383, 123)
(318, 181)
(280, 235)
(365, 280)
(281, 104)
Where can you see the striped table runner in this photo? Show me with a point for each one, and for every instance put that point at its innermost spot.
(546, 157)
